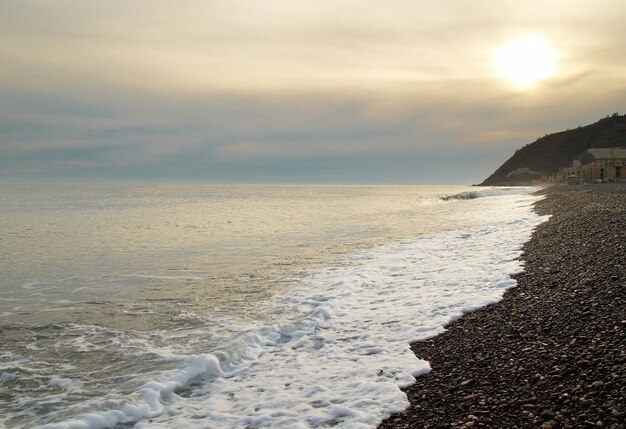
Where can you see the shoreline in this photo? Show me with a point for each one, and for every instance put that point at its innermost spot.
(552, 353)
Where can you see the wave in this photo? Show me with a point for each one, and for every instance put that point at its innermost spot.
(344, 360)
(487, 192)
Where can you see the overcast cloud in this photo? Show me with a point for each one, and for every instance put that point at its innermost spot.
(291, 91)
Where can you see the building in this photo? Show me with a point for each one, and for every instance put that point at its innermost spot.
(594, 166)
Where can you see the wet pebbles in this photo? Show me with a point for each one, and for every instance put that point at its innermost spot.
(552, 353)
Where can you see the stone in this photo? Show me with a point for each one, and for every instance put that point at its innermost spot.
(586, 402)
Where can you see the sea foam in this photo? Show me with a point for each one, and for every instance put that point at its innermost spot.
(345, 358)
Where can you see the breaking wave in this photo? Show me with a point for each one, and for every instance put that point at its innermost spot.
(487, 192)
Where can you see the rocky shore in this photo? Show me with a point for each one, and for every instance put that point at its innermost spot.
(552, 353)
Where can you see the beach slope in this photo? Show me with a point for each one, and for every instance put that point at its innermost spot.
(552, 353)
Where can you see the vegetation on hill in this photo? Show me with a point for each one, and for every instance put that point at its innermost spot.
(554, 151)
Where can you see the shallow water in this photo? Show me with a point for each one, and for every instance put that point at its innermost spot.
(178, 303)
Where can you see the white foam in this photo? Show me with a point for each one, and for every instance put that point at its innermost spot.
(63, 383)
(344, 360)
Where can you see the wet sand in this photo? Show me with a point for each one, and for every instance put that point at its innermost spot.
(552, 353)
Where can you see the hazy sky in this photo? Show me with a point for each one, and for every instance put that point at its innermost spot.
(293, 91)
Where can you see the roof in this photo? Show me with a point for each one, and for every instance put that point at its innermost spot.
(608, 153)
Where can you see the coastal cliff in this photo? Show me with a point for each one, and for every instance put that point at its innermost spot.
(554, 151)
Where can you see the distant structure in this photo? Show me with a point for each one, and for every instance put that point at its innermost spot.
(522, 171)
(522, 176)
(597, 165)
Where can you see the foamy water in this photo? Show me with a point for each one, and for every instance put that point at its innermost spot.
(313, 331)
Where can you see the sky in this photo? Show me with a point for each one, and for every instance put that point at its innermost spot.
(293, 91)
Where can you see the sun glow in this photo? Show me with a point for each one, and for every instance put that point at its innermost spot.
(526, 61)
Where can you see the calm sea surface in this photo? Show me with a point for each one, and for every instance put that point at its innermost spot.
(134, 305)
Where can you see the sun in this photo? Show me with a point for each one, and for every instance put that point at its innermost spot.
(526, 61)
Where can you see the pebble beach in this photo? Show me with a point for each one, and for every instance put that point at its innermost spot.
(552, 353)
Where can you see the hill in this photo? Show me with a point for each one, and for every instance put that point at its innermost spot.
(554, 151)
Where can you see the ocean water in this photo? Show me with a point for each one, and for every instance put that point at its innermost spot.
(237, 306)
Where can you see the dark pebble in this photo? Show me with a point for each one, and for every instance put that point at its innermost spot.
(548, 415)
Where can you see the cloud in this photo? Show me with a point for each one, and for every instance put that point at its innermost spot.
(291, 91)
(275, 46)
(238, 150)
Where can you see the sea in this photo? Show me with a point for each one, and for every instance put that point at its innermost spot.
(197, 306)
